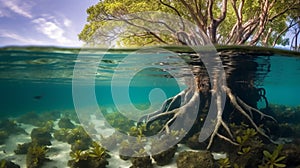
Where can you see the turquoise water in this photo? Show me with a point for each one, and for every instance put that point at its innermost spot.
(283, 81)
(27, 75)
(39, 81)
(55, 83)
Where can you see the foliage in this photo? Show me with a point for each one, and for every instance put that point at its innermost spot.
(36, 156)
(92, 158)
(274, 159)
(8, 164)
(258, 22)
(79, 145)
(137, 130)
(97, 151)
(246, 136)
(119, 122)
(244, 150)
(78, 155)
(78, 133)
(224, 163)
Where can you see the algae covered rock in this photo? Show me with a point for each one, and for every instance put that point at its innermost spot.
(41, 136)
(189, 159)
(23, 148)
(61, 134)
(141, 162)
(292, 154)
(65, 123)
(32, 118)
(79, 133)
(164, 157)
(8, 164)
(9, 127)
(38, 119)
(79, 145)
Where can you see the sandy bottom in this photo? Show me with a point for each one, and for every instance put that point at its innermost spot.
(58, 152)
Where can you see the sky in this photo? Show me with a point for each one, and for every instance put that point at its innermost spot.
(43, 22)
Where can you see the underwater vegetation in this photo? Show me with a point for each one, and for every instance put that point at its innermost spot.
(36, 156)
(38, 119)
(251, 148)
(9, 127)
(142, 160)
(203, 159)
(224, 163)
(41, 136)
(65, 123)
(273, 159)
(118, 121)
(94, 157)
(8, 164)
(288, 121)
(77, 137)
(36, 149)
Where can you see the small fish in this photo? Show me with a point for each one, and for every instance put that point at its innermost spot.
(4, 151)
(38, 97)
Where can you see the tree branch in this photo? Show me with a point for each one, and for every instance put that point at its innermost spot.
(177, 12)
(193, 14)
(283, 31)
(147, 30)
(263, 17)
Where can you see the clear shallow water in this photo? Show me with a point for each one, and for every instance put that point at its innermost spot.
(42, 81)
(283, 81)
(38, 80)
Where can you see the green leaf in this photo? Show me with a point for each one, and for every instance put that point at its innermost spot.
(275, 154)
(267, 154)
(239, 140)
(280, 159)
(279, 165)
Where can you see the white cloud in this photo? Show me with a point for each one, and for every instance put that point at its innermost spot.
(52, 29)
(67, 22)
(14, 36)
(17, 39)
(20, 7)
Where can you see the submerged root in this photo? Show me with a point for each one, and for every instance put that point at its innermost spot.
(187, 100)
(244, 109)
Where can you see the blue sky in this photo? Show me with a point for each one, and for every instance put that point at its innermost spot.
(42, 22)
